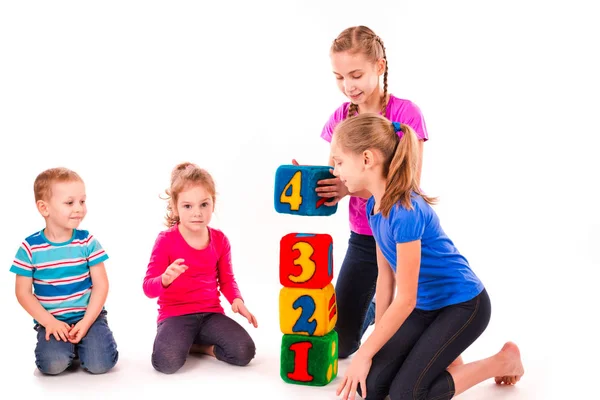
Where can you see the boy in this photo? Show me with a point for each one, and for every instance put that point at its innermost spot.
(65, 267)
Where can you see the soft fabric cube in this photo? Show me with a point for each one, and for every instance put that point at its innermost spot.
(311, 312)
(295, 190)
(306, 260)
(309, 360)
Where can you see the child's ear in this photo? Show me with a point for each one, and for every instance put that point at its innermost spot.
(42, 208)
(381, 66)
(368, 159)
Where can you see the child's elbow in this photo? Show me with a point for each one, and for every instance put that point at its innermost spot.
(20, 294)
(147, 292)
(408, 303)
(147, 289)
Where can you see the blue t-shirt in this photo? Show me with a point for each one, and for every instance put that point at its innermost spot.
(445, 277)
(60, 271)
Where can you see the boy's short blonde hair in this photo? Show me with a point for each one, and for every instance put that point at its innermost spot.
(42, 187)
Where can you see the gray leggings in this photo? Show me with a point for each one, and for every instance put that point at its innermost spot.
(176, 335)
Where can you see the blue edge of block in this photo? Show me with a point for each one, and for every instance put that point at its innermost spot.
(311, 205)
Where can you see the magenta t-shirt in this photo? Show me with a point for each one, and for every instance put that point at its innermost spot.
(398, 110)
(197, 290)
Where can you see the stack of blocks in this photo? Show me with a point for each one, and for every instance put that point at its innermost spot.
(307, 303)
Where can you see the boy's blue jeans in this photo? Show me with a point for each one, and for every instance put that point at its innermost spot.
(97, 351)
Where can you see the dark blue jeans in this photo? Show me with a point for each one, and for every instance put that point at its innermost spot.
(413, 363)
(176, 335)
(354, 290)
(97, 350)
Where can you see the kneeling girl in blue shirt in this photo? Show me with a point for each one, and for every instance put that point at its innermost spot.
(441, 306)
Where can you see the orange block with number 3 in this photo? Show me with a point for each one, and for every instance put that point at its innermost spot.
(306, 260)
(311, 312)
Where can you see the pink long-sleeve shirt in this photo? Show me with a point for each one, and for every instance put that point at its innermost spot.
(197, 289)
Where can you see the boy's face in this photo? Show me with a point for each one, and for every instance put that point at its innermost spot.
(66, 206)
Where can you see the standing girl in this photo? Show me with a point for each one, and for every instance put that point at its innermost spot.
(359, 61)
(189, 268)
(441, 307)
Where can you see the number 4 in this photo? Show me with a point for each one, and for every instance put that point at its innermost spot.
(294, 199)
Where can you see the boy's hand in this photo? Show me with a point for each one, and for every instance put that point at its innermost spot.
(78, 332)
(59, 329)
(238, 306)
(173, 272)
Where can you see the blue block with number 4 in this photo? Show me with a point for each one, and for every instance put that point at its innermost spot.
(295, 190)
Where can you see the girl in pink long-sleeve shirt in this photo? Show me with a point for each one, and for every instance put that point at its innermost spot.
(189, 267)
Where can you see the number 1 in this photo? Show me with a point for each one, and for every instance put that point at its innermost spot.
(300, 372)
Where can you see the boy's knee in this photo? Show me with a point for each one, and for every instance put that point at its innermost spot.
(100, 364)
(54, 365)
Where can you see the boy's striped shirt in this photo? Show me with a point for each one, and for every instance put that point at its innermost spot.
(60, 271)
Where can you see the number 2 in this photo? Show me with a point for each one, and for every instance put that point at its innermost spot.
(307, 304)
(307, 265)
(294, 199)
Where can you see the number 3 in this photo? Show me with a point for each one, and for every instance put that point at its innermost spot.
(294, 199)
(304, 261)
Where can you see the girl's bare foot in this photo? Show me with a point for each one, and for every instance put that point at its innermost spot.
(511, 358)
(203, 349)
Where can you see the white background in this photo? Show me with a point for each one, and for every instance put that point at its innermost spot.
(121, 91)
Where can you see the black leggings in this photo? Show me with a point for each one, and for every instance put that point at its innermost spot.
(354, 290)
(413, 363)
(176, 335)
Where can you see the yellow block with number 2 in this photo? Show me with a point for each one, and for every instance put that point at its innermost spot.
(311, 312)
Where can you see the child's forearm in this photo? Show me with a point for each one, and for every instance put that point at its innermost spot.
(32, 305)
(97, 301)
(384, 295)
(387, 326)
(230, 290)
(386, 285)
(99, 293)
(153, 287)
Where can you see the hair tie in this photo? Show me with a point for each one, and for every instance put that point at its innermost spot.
(398, 129)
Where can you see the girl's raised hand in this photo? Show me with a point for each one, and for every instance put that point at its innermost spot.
(173, 271)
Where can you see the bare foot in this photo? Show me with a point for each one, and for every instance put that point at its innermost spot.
(458, 361)
(203, 349)
(511, 358)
